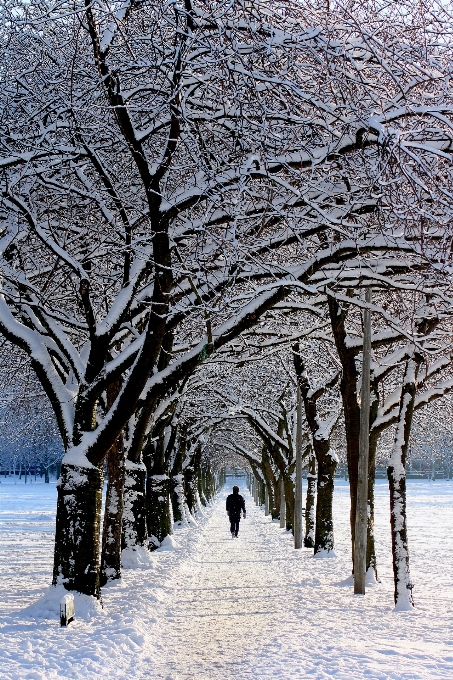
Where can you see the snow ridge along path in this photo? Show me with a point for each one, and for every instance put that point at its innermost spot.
(217, 608)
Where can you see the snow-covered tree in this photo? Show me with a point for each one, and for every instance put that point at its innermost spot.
(171, 172)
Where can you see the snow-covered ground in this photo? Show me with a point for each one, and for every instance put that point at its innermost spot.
(218, 609)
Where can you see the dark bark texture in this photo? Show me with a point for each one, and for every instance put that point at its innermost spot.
(135, 532)
(324, 539)
(309, 538)
(397, 485)
(177, 498)
(113, 515)
(114, 503)
(326, 461)
(371, 561)
(77, 534)
(351, 409)
(158, 505)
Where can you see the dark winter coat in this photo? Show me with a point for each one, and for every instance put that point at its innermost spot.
(234, 504)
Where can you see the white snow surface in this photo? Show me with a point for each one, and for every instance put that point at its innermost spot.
(221, 608)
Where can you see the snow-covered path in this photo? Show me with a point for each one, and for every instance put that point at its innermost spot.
(224, 609)
(224, 602)
(256, 608)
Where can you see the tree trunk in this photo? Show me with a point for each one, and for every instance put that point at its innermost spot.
(191, 480)
(400, 551)
(77, 533)
(298, 523)
(282, 504)
(271, 483)
(208, 483)
(397, 484)
(273, 507)
(274, 501)
(261, 493)
(190, 488)
(134, 512)
(289, 497)
(113, 514)
(309, 538)
(325, 458)
(177, 495)
(371, 562)
(327, 464)
(201, 495)
(361, 519)
(159, 514)
(177, 498)
(351, 409)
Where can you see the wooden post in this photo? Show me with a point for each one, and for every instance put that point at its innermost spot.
(266, 500)
(364, 439)
(282, 505)
(298, 491)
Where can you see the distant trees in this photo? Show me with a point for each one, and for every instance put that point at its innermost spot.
(29, 437)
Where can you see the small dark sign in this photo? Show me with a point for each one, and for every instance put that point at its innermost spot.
(66, 609)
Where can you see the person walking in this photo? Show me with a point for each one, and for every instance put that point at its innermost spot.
(234, 505)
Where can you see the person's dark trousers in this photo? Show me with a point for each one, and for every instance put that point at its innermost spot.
(234, 525)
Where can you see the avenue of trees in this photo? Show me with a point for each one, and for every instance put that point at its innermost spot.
(194, 197)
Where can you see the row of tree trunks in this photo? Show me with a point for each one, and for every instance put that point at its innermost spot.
(326, 459)
(317, 514)
(351, 410)
(397, 466)
(138, 514)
